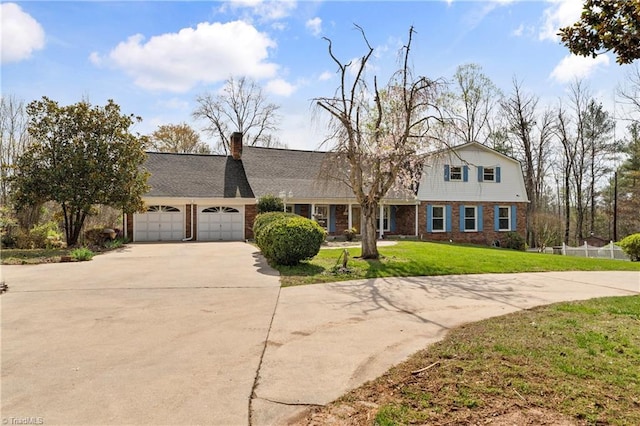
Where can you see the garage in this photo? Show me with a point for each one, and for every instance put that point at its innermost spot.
(159, 223)
(220, 223)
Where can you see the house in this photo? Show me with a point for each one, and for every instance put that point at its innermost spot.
(197, 197)
(473, 194)
(213, 197)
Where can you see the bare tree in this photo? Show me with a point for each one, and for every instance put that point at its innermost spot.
(579, 98)
(179, 138)
(378, 132)
(13, 126)
(630, 92)
(240, 107)
(568, 144)
(530, 134)
(470, 105)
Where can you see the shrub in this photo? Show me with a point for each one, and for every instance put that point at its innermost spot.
(41, 236)
(270, 203)
(114, 244)
(82, 254)
(264, 219)
(350, 234)
(514, 241)
(288, 240)
(631, 246)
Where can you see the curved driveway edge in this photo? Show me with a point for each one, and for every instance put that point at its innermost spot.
(328, 339)
(153, 334)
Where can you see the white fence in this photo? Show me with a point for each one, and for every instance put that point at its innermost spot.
(610, 251)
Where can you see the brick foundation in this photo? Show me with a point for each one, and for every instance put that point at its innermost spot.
(250, 213)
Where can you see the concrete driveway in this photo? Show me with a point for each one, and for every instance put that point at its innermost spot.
(176, 333)
(153, 334)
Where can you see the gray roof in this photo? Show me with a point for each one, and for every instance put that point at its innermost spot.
(261, 171)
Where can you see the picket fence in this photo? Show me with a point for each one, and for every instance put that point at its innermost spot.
(610, 251)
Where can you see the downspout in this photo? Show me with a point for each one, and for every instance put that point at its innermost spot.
(192, 218)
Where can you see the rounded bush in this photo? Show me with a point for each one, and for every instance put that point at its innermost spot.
(289, 240)
(631, 246)
(515, 241)
(270, 203)
(264, 219)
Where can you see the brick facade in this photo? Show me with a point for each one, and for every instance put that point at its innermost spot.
(485, 237)
(405, 221)
(250, 213)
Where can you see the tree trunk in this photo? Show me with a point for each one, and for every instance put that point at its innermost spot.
(567, 206)
(369, 237)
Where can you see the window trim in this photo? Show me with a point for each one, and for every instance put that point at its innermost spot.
(326, 218)
(444, 218)
(484, 174)
(509, 227)
(386, 219)
(475, 219)
(451, 172)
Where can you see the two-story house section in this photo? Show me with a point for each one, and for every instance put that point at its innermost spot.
(471, 193)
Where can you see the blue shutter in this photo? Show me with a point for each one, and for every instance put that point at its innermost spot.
(496, 218)
(429, 215)
(498, 174)
(332, 218)
(480, 219)
(513, 217)
(465, 174)
(462, 218)
(480, 173)
(446, 173)
(297, 209)
(392, 213)
(448, 208)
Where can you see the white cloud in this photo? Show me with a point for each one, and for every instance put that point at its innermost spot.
(266, 10)
(207, 54)
(21, 35)
(560, 14)
(327, 75)
(573, 67)
(518, 31)
(315, 26)
(280, 87)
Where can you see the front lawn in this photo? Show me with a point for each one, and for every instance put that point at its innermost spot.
(568, 363)
(412, 258)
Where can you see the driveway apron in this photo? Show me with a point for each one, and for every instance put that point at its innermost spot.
(152, 334)
(328, 339)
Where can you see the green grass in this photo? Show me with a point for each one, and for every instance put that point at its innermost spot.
(577, 361)
(410, 258)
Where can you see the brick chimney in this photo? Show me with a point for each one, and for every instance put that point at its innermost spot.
(236, 145)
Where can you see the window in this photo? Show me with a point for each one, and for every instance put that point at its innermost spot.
(489, 174)
(386, 211)
(220, 210)
(504, 218)
(455, 173)
(321, 215)
(289, 208)
(469, 218)
(162, 209)
(437, 219)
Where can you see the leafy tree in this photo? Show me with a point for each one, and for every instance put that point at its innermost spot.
(270, 203)
(606, 25)
(14, 140)
(82, 155)
(378, 133)
(241, 107)
(179, 138)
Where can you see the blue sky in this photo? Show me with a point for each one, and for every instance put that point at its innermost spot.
(154, 58)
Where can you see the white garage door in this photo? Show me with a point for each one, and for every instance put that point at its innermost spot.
(159, 223)
(220, 223)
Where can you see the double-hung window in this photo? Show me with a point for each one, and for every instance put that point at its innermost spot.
(470, 218)
(504, 218)
(489, 174)
(455, 173)
(437, 219)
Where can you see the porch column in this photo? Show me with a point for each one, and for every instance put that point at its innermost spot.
(381, 221)
(313, 209)
(350, 221)
(417, 212)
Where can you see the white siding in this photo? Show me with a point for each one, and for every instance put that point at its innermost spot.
(433, 186)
